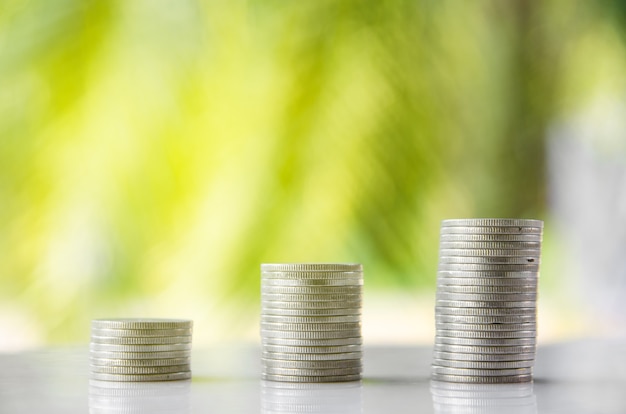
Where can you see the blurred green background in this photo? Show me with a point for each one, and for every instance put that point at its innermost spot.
(154, 152)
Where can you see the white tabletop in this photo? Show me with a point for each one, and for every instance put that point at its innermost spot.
(580, 377)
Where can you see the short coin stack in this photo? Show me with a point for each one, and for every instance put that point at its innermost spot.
(486, 300)
(311, 322)
(140, 349)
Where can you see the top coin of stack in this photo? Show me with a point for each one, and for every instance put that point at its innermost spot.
(140, 349)
(486, 300)
(311, 322)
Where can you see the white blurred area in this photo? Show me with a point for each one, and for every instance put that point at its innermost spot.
(586, 158)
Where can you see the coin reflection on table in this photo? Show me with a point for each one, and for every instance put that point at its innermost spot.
(107, 397)
(284, 397)
(460, 398)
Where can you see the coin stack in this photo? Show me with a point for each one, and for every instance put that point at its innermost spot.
(106, 397)
(311, 322)
(140, 349)
(486, 300)
(483, 398)
(289, 397)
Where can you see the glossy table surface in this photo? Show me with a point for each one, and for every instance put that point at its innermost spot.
(587, 376)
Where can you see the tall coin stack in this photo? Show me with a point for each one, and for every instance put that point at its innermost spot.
(311, 322)
(485, 310)
(140, 349)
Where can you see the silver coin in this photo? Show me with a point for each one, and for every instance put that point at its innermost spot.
(487, 289)
(488, 320)
(267, 304)
(488, 274)
(346, 333)
(139, 355)
(111, 395)
(311, 282)
(448, 333)
(486, 406)
(141, 323)
(139, 362)
(312, 350)
(138, 370)
(488, 297)
(492, 222)
(495, 282)
(310, 312)
(489, 260)
(485, 304)
(311, 267)
(490, 254)
(312, 372)
(455, 389)
(155, 340)
(115, 388)
(140, 333)
(506, 311)
(295, 390)
(487, 350)
(483, 364)
(457, 356)
(490, 230)
(482, 380)
(485, 341)
(488, 327)
(310, 327)
(312, 275)
(313, 290)
(330, 378)
(493, 237)
(290, 364)
(283, 297)
(487, 267)
(522, 392)
(141, 378)
(139, 348)
(312, 357)
(311, 319)
(489, 245)
(480, 372)
(311, 342)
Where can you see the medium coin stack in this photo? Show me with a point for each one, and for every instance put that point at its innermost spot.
(106, 397)
(140, 349)
(289, 397)
(311, 322)
(483, 398)
(485, 309)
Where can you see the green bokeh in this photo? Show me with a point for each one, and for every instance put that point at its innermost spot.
(153, 153)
